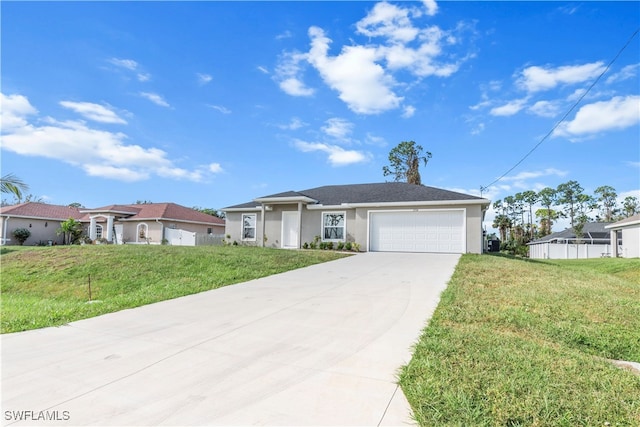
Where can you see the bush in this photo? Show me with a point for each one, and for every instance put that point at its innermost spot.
(305, 245)
(21, 235)
(330, 245)
(347, 246)
(340, 246)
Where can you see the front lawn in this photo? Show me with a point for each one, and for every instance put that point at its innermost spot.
(524, 343)
(49, 286)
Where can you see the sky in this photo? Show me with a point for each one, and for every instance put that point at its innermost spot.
(212, 104)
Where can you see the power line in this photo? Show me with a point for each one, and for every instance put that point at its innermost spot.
(544, 138)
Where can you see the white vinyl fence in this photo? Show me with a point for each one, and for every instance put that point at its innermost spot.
(568, 251)
(177, 237)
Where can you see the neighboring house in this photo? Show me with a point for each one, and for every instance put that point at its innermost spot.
(626, 234)
(594, 243)
(139, 223)
(392, 216)
(41, 219)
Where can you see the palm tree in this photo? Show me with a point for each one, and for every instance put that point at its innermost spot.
(11, 184)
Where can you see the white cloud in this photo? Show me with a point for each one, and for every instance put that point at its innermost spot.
(96, 112)
(203, 79)
(338, 128)
(288, 74)
(535, 174)
(338, 156)
(362, 74)
(294, 124)
(129, 64)
(390, 21)
(215, 168)
(509, 109)
(295, 87)
(155, 98)
(536, 78)
(545, 109)
(627, 72)
(431, 6)
(97, 152)
(362, 84)
(262, 69)
(14, 110)
(619, 112)
(409, 111)
(219, 108)
(285, 35)
(117, 173)
(143, 77)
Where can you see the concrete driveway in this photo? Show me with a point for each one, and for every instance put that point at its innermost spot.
(316, 346)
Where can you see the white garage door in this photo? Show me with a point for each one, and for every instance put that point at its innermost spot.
(422, 231)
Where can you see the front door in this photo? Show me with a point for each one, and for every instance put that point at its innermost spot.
(119, 229)
(290, 229)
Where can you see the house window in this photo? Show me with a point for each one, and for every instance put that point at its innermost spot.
(98, 231)
(333, 225)
(248, 226)
(209, 230)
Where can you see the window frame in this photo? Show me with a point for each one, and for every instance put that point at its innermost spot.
(343, 226)
(99, 231)
(243, 228)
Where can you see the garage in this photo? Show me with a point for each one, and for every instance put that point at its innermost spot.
(439, 231)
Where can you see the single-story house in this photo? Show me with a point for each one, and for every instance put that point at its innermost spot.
(625, 237)
(390, 216)
(595, 243)
(138, 223)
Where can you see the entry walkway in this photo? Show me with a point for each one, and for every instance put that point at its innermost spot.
(320, 345)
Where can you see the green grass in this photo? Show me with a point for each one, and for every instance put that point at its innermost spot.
(524, 343)
(49, 286)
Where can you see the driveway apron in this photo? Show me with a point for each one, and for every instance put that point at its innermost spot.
(321, 345)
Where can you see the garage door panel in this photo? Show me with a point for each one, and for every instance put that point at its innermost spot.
(417, 231)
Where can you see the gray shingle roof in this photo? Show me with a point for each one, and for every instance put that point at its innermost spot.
(591, 230)
(386, 192)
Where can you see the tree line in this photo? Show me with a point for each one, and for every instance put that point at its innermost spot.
(518, 224)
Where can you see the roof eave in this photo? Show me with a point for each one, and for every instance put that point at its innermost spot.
(618, 226)
(283, 200)
(403, 204)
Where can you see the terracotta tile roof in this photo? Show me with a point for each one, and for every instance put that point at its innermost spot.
(172, 211)
(41, 210)
(136, 212)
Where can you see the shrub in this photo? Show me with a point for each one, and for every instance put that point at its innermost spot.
(21, 234)
(340, 246)
(347, 246)
(305, 245)
(313, 245)
(355, 247)
(323, 245)
(330, 245)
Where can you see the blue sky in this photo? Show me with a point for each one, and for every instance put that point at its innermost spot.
(215, 103)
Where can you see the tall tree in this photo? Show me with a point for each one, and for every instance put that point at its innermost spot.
(606, 197)
(11, 184)
(630, 206)
(568, 197)
(547, 197)
(584, 204)
(530, 198)
(405, 161)
(501, 220)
